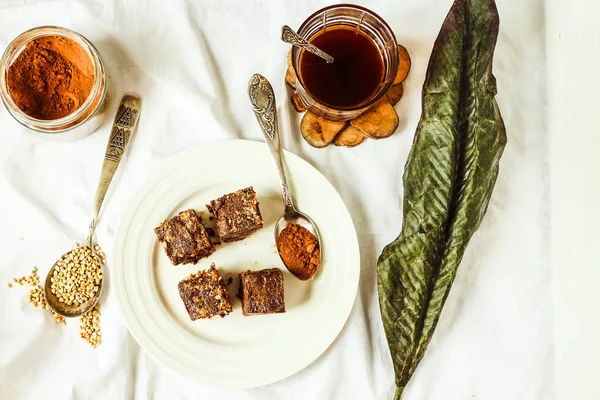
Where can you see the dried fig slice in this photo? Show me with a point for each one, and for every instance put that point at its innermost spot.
(379, 121)
(290, 79)
(395, 93)
(298, 103)
(403, 67)
(349, 137)
(319, 132)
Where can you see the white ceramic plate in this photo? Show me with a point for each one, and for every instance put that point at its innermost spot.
(234, 351)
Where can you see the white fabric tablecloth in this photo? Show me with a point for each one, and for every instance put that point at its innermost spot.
(191, 62)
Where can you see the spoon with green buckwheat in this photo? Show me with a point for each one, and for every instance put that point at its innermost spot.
(74, 283)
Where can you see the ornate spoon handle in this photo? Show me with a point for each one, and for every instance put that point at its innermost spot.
(262, 100)
(122, 130)
(291, 37)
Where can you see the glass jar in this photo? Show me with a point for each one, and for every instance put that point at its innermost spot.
(83, 121)
(370, 24)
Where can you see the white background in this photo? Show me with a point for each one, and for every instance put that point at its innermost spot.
(574, 93)
(191, 62)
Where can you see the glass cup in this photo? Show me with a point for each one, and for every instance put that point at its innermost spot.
(79, 123)
(370, 24)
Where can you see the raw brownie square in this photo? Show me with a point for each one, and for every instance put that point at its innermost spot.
(204, 294)
(184, 238)
(237, 214)
(262, 292)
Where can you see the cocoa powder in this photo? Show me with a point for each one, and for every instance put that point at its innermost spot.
(51, 78)
(299, 250)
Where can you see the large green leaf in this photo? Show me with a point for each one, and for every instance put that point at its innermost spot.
(448, 181)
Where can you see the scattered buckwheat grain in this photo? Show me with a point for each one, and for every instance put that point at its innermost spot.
(36, 295)
(89, 329)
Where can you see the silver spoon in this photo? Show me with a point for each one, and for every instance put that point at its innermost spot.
(289, 36)
(122, 130)
(262, 100)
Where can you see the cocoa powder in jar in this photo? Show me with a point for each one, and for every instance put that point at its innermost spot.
(51, 78)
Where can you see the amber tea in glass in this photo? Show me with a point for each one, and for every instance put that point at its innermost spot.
(365, 61)
(352, 78)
